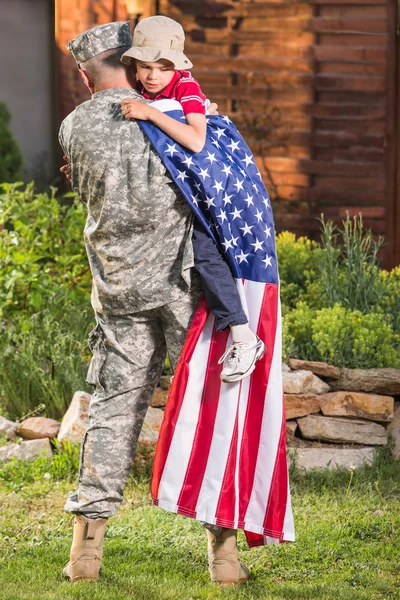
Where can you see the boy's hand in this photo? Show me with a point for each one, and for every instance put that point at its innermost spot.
(135, 109)
(66, 169)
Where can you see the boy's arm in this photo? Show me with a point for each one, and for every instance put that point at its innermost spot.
(192, 135)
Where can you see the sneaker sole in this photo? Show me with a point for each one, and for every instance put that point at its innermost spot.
(234, 378)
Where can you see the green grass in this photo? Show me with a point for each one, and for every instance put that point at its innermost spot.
(347, 544)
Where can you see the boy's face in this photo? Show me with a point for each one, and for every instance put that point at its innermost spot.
(154, 76)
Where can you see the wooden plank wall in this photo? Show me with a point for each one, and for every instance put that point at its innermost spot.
(311, 85)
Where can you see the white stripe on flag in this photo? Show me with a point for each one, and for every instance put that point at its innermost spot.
(253, 300)
(182, 442)
(269, 438)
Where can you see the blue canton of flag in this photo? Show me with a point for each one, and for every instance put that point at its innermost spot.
(223, 186)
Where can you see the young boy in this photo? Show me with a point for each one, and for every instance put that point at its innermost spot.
(161, 72)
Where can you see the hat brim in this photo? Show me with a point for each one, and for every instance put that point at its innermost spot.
(148, 54)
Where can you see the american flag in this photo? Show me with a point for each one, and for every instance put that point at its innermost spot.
(221, 453)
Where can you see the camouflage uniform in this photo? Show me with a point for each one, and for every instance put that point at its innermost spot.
(138, 239)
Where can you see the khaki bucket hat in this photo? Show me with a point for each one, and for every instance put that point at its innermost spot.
(155, 38)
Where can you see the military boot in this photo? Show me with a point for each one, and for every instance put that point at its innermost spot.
(86, 550)
(224, 565)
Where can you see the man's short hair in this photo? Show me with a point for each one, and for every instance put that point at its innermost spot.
(105, 61)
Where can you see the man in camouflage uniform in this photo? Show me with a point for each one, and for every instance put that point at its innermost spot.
(138, 239)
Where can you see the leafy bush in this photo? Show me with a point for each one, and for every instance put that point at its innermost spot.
(45, 310)
(341, 337)
(349, 267)
(298, 269)
(42, 256)
(10, 154)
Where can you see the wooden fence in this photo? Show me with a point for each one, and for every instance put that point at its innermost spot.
(313, 86)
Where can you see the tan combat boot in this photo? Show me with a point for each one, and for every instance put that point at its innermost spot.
(86, 550)
(224, 565)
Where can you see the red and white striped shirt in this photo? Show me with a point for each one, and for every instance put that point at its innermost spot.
(184, 88)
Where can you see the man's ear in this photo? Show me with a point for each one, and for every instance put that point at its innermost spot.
(87, 80)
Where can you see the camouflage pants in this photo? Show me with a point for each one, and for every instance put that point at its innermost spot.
(128, 357)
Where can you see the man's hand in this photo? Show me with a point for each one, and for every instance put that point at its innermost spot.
(66, 169)
(135, 109)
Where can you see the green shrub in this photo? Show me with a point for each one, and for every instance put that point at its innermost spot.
(42, 255)
(390, 299)
(298, 269)
(45, 310)
(349, 266)
(10, 154)
(341, 337)
(44, 360)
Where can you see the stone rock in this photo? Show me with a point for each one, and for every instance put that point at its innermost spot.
(393, 430)
(36, 428)
(285, 368)
(300, 405)
(159, 398)
(76, 419)
(8, 428)
(339, 430)
(375, 381)
(330, 458)
(27, 450)
(362, 406)
(291, 427)
(318, 368)
(303, 382)
(151, 425)
(165, 382)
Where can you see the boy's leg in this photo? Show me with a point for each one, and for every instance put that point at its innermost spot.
(219, 285)
(224, 302)
(128, 357)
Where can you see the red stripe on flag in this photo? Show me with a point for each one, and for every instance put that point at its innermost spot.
(205, 424)
(227, 498)
(276, 507)
(266, 330)
(176, 396)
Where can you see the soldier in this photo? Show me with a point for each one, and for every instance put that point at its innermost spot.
(145, 292)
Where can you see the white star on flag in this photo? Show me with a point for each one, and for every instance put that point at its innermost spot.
(236, 214)
(197, 186)
(188, 160)
(209, 201)
(248, 160)
(226, 119)
(211, 157)
(233, 146)
(242, 257)
(255, 186)
(227, 199)
(267, 261)
(258, 216)
(238, 185)
(222, 216)
(218, 186)
(204, 173)
(249, 200)
(220, 131)
(171, 148)
(246, 229)
(227, 170)
(216, 144)
(258, 245)
(268, 232)
(266, 202)
(227, 244)
(182, 175)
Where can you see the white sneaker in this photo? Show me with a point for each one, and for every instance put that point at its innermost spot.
(242, 358)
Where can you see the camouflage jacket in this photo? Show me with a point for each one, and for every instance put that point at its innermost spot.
(139, 227)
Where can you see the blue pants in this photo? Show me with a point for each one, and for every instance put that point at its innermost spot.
(218, 283)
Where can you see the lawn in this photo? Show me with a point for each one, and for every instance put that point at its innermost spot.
(347, 541)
